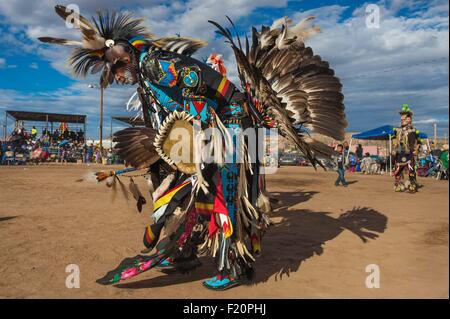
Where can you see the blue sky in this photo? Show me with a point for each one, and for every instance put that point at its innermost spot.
(405, 60)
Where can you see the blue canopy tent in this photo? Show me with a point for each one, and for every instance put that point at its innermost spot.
(379, 133)
(422, 135)
(385, 132)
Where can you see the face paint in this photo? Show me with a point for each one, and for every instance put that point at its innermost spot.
(125, 72)
(130, 76)
(403, 120)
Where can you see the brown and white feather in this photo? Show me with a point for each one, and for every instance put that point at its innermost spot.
(135, 146)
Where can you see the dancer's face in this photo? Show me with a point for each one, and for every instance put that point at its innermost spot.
(122, 67)
(409, 120)
(125, 74)
(405, 120)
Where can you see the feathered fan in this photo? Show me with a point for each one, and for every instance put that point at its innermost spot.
(135, 146)
(288, 85)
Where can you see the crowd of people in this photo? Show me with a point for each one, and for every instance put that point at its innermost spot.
(429, 162)
(408, 158)
(22, 146)
(360, 161)
(62, 145)
(95, 154)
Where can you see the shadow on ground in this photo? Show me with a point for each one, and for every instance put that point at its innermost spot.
(2, 219)
(298, 236)
(302, 233)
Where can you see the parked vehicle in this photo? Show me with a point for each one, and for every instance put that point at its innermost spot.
(303, 161)
(288, 159)
(293, 159)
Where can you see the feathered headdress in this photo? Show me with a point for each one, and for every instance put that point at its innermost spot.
(104, 33)
(97, 38)
(406, 110)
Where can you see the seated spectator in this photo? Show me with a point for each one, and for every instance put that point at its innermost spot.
(370, 165)
(8, 156)
(366, 163)
(80, 135)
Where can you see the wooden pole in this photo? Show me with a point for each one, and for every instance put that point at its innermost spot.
(349, 147)
(84, 132)
(435, 135)
(390, 154)
(101, 119)
(6, 126)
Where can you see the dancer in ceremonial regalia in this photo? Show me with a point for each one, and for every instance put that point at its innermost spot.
(405, 150)
(217, 207)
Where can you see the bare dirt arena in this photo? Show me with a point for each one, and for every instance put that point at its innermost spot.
(322, 239)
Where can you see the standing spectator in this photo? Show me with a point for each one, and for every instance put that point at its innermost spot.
(109, 157)
(340, 163)
(63, 127)
(352, 160)
(359, 152)
(98, 156)
(33, 132)
(443, 157)
(89, 153)
(346, 149)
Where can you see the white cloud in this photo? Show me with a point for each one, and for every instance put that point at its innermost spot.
(4, 65)
(404, 61)
(430, 121)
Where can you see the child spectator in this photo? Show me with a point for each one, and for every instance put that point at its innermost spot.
(340, 163)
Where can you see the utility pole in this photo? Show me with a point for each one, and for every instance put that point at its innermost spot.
(101, 120)
(110, 132)
(435, 134)
(94, 86)
(5, 126)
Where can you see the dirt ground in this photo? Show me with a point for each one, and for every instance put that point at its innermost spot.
(322, 240)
